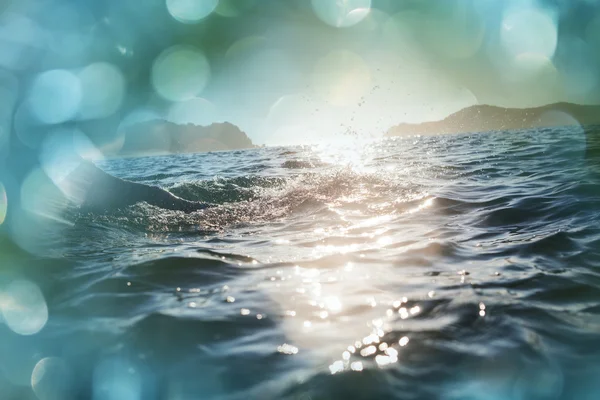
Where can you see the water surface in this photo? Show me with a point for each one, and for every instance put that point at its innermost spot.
(452, 267)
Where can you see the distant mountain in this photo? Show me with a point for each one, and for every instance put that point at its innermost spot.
(482, 118)
(164, 137)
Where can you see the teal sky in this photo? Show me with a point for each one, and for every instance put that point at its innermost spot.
(286, 71)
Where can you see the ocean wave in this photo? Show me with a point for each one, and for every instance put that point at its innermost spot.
(361, 279)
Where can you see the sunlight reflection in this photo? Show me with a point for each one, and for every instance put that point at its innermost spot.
(323, 317)
(384, 241)
(333, 304)
(426, 204)
(287, 349)
(356, 366)
(482, 310)
(336, 367)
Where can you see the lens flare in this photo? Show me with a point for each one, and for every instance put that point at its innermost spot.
(51, 379)
(27, 127)
(244, 48)
(191, 11)
(24, 307)
(9, 93)
(536, 73)
(180, 73)
(40, 196)
(61, 154)
(531, 31)
(3, 203)
(55, 96)
(341, 14)
(117, 378)
(18, 35)
(103, 88)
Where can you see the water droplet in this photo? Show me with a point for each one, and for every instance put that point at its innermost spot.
(356, 366)
(287, 349)
(367, 351)
(336, 367)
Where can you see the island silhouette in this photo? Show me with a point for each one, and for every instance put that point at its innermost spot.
(484, 118)
(158, 137)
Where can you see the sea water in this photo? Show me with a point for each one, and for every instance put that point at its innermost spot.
(448, 267)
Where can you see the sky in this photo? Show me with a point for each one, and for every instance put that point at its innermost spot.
(285, 72)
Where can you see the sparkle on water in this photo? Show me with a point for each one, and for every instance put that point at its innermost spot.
(363, 233)
(392, 292)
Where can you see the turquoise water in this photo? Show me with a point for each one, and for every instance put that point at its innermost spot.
(453, 267)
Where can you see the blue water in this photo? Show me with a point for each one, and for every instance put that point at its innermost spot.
(451, 267)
